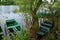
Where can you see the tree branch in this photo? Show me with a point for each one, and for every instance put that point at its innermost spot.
(37, 6)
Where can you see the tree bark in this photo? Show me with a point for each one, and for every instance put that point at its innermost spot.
(34, 28)
(55, 26)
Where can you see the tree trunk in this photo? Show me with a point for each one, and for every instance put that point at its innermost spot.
(34, 28)
(55, 26)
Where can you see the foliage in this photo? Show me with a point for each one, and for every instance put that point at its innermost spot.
(59, 27)
(7, 2)
(53, 8)
(43, 10)
(27, 5)
(30, 7)
(23, 35)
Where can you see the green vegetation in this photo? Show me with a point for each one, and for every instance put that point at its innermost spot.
(7, 2)
(59, 28)
(34, 8)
